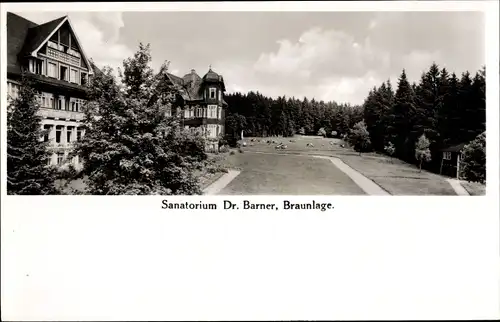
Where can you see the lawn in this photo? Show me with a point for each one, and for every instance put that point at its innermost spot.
(268, 174)
(474, 188)
(395, 176)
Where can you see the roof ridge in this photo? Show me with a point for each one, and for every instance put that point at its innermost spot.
(51, 21)
(19, 16)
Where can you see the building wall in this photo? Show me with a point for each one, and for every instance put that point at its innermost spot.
(63, 125)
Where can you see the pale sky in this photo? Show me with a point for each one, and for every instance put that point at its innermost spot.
(336, 56)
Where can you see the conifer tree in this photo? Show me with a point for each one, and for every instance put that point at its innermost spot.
(131, 146)
(27, 153)
(404, 113)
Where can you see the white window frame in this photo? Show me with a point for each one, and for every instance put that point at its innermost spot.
(213, 91)
(55, 75)
(76, 79)
(447, 155)
(68, 68)
(61, 160)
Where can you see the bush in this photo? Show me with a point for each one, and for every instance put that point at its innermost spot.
(231, 141)
(359, 138)
(224, 149)
(390, 149)
(422, 151)
(322, 132)
(473, 163)
(231, 153)
(240, 150)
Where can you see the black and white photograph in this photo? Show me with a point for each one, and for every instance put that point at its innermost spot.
(233, 161)
(302, 103)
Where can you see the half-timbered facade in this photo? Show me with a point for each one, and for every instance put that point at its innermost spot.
(51, 55)
(204, 105)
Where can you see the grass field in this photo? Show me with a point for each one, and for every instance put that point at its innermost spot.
(474, 188)
(265, 174)
(394, 176)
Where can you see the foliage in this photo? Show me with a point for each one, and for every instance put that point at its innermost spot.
(422, 151)
(473, 162)
(322, 132)
(224, 149)
(359, 138)
(390, 149)
(131, 146)
(27, 155)
(283, 116)
(447, 108)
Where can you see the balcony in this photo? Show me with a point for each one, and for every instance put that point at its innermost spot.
(59, 55)
(60, 114)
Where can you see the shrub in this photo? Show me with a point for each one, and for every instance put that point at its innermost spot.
(390, 149)
(359, 138)
(422, 151)
(240, 150)
(231, 153)
(322, 132)
(224, 149)
(473, 163)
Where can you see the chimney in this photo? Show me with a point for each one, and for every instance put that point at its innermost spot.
(193, 78)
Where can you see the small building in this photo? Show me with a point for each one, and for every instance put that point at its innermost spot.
(450, 160)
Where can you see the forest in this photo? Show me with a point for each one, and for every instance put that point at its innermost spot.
(448, 109)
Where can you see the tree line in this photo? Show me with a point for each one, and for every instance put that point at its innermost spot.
(446, 109)
(258, 115)
(442, 108)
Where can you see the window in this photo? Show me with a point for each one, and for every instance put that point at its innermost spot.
(64, 73)
(213, 93)
(447, 155)
(68, 135)
(38, 67)
(78, 135)
(168, 111)
(220, 113)
(58, 134)
(47, 129)
(73, 76)
(60, 103)
(60, 158)
(43, 100)
(51, 70)
(83, 78)
(52, 104)
(73, 106)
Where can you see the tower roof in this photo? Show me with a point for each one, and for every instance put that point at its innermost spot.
(213, 77)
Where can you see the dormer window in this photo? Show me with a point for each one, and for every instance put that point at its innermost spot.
(213, 93)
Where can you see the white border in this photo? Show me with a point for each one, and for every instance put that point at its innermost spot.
(82, 257)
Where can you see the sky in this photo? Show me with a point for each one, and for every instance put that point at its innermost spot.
(328, 56)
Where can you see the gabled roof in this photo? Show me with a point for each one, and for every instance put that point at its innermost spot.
(455, 148)
(190, 85)
(25, 37)
(39, 34)
(17, 31)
